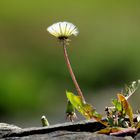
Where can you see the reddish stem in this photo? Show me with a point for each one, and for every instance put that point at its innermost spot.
(71, 72)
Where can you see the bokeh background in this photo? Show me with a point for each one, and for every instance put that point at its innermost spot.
(33, 75)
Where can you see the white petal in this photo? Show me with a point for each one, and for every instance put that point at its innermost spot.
(56, 28)
(52, 31)
(75, 32)
(68, 29)
(65, 29)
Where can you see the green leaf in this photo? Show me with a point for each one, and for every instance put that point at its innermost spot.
(117, 104)
(70, 112)
(85, 109)
(70, 108)
(82, 107)
(110, 121)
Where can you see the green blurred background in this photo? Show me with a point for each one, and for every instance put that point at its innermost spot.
(33, 74)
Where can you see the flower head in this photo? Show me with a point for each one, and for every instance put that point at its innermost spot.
(63, 30)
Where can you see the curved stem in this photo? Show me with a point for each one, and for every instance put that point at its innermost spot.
(71, 72)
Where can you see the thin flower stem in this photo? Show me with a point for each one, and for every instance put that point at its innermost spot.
(71, 72)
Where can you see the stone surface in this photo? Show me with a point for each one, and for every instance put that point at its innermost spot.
(67, 135)
(137, 137)
(83, 130)
(7, 128)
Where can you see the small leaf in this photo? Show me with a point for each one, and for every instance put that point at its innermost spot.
(76, 101)
(109, 130)
(70, 112)
(44, 121)
(126, 107)
(85, 109)
(117, 104)
(110, 121)
(130, 89)
(70, 108)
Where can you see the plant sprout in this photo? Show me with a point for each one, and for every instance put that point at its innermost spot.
(44, 121)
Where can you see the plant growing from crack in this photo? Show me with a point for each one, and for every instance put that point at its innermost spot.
(115, 120)
(63, 30)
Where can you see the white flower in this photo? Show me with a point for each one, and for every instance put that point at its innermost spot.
(63, 30)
